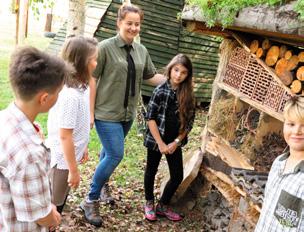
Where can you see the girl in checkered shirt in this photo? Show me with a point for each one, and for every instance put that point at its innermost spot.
(170, 117)
(69, 119)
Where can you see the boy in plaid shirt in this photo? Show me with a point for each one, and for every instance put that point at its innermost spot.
(25, 203)
(284, 194)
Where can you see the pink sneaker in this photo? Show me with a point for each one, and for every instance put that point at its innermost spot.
(149, 211)
(166, 211)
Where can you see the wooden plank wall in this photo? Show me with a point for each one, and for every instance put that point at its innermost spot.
(164, 37)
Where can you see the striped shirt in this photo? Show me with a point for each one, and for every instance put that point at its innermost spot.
(24, 165)
(157, 111)
(284, 199)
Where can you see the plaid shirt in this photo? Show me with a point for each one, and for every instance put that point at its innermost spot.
(24, 183)
(284, 199)
(157, 111)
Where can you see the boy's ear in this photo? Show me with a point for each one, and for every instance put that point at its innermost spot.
(42, 98)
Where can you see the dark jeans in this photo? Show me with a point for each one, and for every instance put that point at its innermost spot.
(175, 162)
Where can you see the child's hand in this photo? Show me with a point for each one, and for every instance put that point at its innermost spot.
(163, 148)
(172, 147)
(74, 179)
(85, 156)
(57, 218)
(91, 121)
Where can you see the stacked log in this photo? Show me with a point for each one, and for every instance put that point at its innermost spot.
(287, 62)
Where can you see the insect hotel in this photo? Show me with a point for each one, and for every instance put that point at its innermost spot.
(261, 66)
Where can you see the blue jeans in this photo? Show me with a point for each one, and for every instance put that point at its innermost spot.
(111, 135)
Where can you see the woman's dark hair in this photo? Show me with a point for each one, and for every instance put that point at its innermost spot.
(32, 70)
(127, 8)
(185, 96)
(78, 51)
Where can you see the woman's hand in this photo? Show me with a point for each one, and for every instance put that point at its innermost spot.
(91, 121)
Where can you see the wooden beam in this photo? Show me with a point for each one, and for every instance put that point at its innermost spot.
(199, 27)
(280, 21)
(246, 99)
(219, 147)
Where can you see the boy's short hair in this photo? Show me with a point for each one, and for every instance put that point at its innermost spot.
(32, 70)
(294, 108)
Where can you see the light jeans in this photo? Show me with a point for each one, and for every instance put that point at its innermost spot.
(111, 135)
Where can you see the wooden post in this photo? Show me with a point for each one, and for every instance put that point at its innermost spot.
(23, 6)
(48, 22)
(17, 10)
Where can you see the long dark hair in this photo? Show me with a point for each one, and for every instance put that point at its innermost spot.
(185, 96)
(78, 50)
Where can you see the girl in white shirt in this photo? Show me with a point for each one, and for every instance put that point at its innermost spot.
(69, 119)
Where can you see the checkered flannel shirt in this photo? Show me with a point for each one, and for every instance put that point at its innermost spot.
(284, 199)
(157, 111)
(24, 184)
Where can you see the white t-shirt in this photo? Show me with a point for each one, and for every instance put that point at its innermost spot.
(71, 111)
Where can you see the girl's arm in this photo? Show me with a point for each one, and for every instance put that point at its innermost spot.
(67, 143)
(163, 148)
(92, 85)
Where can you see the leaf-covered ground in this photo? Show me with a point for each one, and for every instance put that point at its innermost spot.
(127, 188)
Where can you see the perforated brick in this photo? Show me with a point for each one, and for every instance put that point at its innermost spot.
(274, 96)
(286, 96)
(240, 58)
(233, 76)
(262, 86)
(251, 76)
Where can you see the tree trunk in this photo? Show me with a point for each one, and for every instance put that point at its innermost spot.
(76, 18)
(266, 44)
(279, 21)
(260, 52)
(23, 12)
(272, 55)
(300, 73)
(283, 49)
(288, 54)
(293, 63)
(301, 57)
(296, 86)
(254, 45)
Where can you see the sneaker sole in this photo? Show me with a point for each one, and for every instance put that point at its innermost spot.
(170, 219)
(151, 220)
